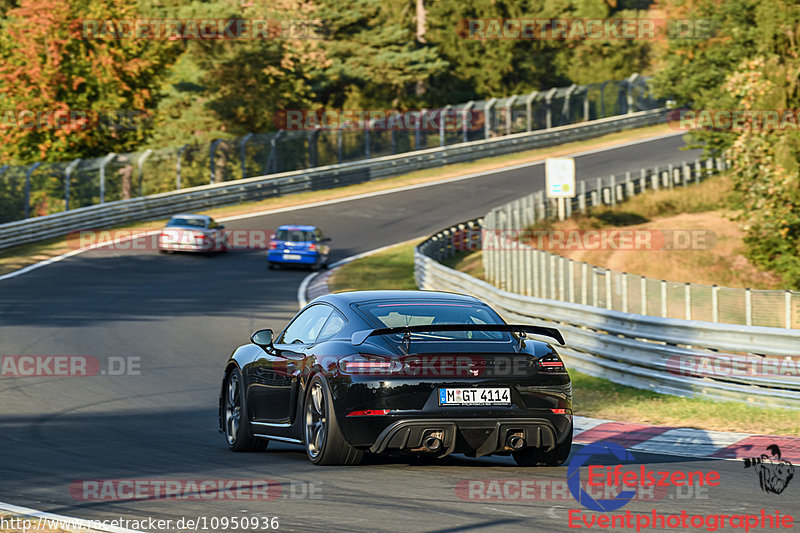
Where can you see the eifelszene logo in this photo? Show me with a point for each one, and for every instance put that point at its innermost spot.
(620, 486)
(774, 473)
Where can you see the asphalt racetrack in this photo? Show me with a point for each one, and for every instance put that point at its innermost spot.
(167, 324)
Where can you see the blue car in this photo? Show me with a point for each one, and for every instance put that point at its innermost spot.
(299, 245)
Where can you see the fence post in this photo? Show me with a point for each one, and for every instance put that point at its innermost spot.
(528, 274)
(748, 307)
(629, 192)
(643, 296)
(366, 136)
(487, 125)
(714, 303)
(664, 298)
(698, 171)
(788, 297)
(624, 278)
(243, 153)
(31, 170)
(629, 92)
(584, 283)
(562, 295)
(272, 158)
(686, 173)
(543, 274)
(140, 166)
(442, 113)
(547, 100)
(613, 191)
(582, 197)
(67, 177)
(571, 280)
(609, 298)
(687, 291)
(671, 172)
(586, 103)
(509, 103)
(566, 116)
(103, 164)
(642, 180)
(212, 163)
(655, 177)
(553, 276)
(601, 200)
(535, 262)
(529, 108)
(464, 123)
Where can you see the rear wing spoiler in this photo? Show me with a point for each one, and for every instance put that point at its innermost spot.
(360, 336)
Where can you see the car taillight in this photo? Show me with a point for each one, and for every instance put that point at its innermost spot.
(312, 246)
(273, 245)
(370, 412)
(368, 364)
(550, 363)
(562, 411)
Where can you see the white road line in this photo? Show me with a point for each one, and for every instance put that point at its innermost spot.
(66, 522)
(321, 203)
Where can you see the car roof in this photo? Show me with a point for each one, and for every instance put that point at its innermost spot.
(190, 215)
(355, 297)
(297, 227)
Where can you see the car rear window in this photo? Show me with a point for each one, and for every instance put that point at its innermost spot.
(294, 235)
(399, 314)
(191, 222)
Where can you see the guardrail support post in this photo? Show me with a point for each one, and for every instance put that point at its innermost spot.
(487, 125)
(178, 181)
(211, 160)
(629, 192)
(686, 173)
(671, 172)
(529, 109)
(571, 280)
(595, 289)
(243, 152)
(582, 197)
(664, 298)
(140, 165)
(655, 177)
(584, 283)
(67, 177)
(31, 170)
(613, 187)
(609, 297)
(103, 164)
(642, 180)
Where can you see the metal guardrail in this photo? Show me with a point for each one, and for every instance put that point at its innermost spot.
(513, 260)
(665, 355)
(207, 196)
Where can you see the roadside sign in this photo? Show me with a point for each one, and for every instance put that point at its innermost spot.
(560, 177)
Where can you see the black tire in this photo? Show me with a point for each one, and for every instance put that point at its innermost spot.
(322, 437)
(536, 457)
(272, 266)
(236, 422)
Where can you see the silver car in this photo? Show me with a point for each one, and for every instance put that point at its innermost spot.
(192, 233)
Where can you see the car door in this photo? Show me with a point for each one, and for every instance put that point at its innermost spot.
(273, 376)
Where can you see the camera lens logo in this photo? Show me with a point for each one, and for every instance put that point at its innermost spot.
(574, 476)
(774, 473)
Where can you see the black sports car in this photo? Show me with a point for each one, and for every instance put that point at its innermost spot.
(400, 371)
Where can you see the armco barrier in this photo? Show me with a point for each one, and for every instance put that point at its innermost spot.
(204, 197)
(637, 350)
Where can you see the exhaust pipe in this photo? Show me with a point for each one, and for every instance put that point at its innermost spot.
(432, 444)
(515, 442)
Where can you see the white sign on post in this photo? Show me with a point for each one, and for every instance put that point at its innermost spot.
(560, 181)
(560, 175)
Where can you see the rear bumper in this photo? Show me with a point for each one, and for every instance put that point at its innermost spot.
(306, 258)
(475, 436)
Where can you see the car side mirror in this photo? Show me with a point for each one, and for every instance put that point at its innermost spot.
(325, 239)
(220, 227)
(262, 338)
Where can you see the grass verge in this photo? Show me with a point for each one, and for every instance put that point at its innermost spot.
(20, 256)
(594, 397)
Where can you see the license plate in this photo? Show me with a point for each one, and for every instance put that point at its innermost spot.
(475, 396)
(292, 257)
